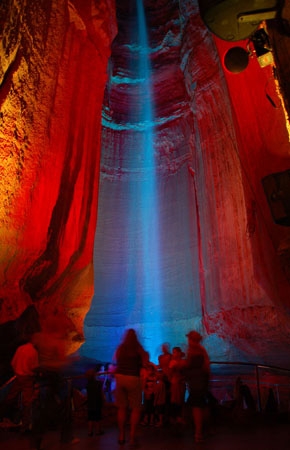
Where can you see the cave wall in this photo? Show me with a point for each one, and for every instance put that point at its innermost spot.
(52, 52)
(217, 135)
(224, 261)
(241, 137)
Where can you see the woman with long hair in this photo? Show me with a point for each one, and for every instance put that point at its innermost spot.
(129, 358)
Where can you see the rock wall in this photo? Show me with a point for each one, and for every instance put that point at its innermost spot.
(224, 264)
(216, 135)
(53, 71)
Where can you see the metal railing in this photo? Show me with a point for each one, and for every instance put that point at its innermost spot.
(264, 376)
(225, 374)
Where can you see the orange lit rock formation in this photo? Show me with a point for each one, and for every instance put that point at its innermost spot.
(53, 71)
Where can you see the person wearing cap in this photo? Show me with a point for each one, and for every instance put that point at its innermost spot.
(196, 367)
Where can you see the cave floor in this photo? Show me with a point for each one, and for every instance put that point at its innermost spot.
(270, 436)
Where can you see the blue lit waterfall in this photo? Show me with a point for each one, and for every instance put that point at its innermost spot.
(144, 264)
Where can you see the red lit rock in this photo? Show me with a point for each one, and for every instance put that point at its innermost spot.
(218, 135)
(53, 72)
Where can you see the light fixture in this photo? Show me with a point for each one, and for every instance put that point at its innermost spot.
(236, 59)
(277, 189)
(237, 20)
(259, 45)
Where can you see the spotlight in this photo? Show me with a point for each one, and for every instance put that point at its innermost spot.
(277, 189)
(236, 59)
(262, 47)
(236, 20)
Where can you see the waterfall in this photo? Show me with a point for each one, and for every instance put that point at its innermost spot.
(145, 265)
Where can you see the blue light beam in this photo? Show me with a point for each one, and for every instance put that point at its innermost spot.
(151, 294)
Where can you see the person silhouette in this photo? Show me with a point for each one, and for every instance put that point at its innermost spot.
(129, 358)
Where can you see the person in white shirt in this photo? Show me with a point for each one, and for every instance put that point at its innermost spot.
(24, 364)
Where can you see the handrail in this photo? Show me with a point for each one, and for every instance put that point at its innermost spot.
(7, 382)
(242, 363)
(257, 367)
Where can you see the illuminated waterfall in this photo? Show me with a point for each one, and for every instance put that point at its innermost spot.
(150, 295)
(146, 272)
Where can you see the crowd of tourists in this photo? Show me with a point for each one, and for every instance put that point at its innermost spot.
(144, 393)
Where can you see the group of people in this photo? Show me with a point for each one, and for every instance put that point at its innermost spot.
(38, 380)
(142, 386)
(146, 393)
(165, 389)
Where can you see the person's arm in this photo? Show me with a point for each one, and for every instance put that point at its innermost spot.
(114, 357)
(145, 358)
(206, 365)
(14, 360)
(36, 366)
